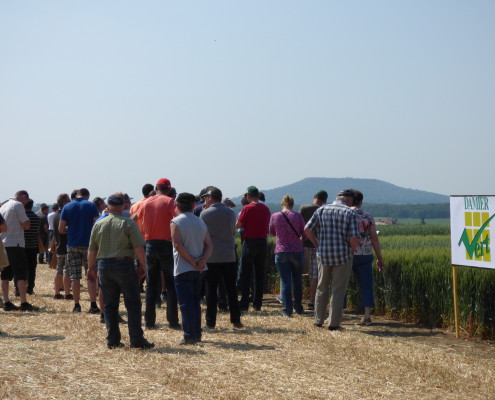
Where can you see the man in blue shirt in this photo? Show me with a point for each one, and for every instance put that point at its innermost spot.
(76, 220)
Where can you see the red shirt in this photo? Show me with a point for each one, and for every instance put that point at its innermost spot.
(156, 212)
(255, 219)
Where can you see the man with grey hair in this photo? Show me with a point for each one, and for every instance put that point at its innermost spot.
(13, 239)
(333, 230)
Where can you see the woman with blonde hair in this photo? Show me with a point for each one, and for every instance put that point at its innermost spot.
(288, 228)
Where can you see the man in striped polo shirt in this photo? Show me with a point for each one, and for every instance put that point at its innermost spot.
(31, 242)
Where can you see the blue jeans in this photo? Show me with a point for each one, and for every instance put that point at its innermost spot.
(253, 258)
(362, 265)
(290, 266)
(188, 286)
(118, 275)
(159, 257)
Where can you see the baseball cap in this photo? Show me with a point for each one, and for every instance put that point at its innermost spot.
(115, 200)
(164, 182)
(253, 191)
(346, 193)
(214, 192)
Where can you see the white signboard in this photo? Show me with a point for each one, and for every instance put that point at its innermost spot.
(471, 220)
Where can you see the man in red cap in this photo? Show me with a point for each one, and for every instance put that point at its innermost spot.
(156, 212)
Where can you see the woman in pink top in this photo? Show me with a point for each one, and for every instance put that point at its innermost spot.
(288, 228)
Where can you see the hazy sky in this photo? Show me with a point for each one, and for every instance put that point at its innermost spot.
(110, 95)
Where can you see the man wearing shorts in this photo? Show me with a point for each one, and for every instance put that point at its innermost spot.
(62, 277)
(13, 239)
(76, 220)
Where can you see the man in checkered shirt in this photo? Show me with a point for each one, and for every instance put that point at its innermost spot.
(333, 229)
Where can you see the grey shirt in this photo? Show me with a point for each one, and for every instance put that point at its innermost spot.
(14, 214)
(220, 221)
(192, 236)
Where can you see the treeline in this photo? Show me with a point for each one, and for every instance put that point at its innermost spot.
(419, 211)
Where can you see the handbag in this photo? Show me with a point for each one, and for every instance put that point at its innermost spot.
(53, 251)
(305, 270)
(287, 219)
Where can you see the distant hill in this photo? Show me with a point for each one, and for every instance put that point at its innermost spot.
(374, 190)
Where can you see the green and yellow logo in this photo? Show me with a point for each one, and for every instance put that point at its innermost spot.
(476, 235)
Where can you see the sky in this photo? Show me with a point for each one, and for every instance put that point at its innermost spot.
(112, 95)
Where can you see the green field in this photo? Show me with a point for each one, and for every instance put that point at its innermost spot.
(416, 284)
(418, 221)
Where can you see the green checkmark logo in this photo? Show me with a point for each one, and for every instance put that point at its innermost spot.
(473, 246)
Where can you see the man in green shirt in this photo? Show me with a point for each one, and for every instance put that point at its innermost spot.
(114, 242)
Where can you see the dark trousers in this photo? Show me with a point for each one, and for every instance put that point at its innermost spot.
(159, 257)
(119, 276)
(221, 292)
(188, 286)
(253, 259)
(32, 262)
(215, 272)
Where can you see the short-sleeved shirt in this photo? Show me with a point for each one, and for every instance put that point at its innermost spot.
(41, 227)
(334, 225)
(31, 234)
(49, 218)
(365, 223)
(60, 240)
(255, 219)
(220, 221)
(79, 215)
(14, 214)
(115, 236)
(307, 211)
(192, 236)
(134, 210)
(156, 212)
(286, 240)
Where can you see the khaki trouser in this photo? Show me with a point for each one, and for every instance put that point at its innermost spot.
(339, 275)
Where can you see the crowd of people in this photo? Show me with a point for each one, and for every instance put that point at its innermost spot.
(183, 246)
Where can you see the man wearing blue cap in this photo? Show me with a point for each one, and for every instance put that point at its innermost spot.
(114, 242)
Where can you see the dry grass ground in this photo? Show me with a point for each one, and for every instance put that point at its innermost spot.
(54, 354)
